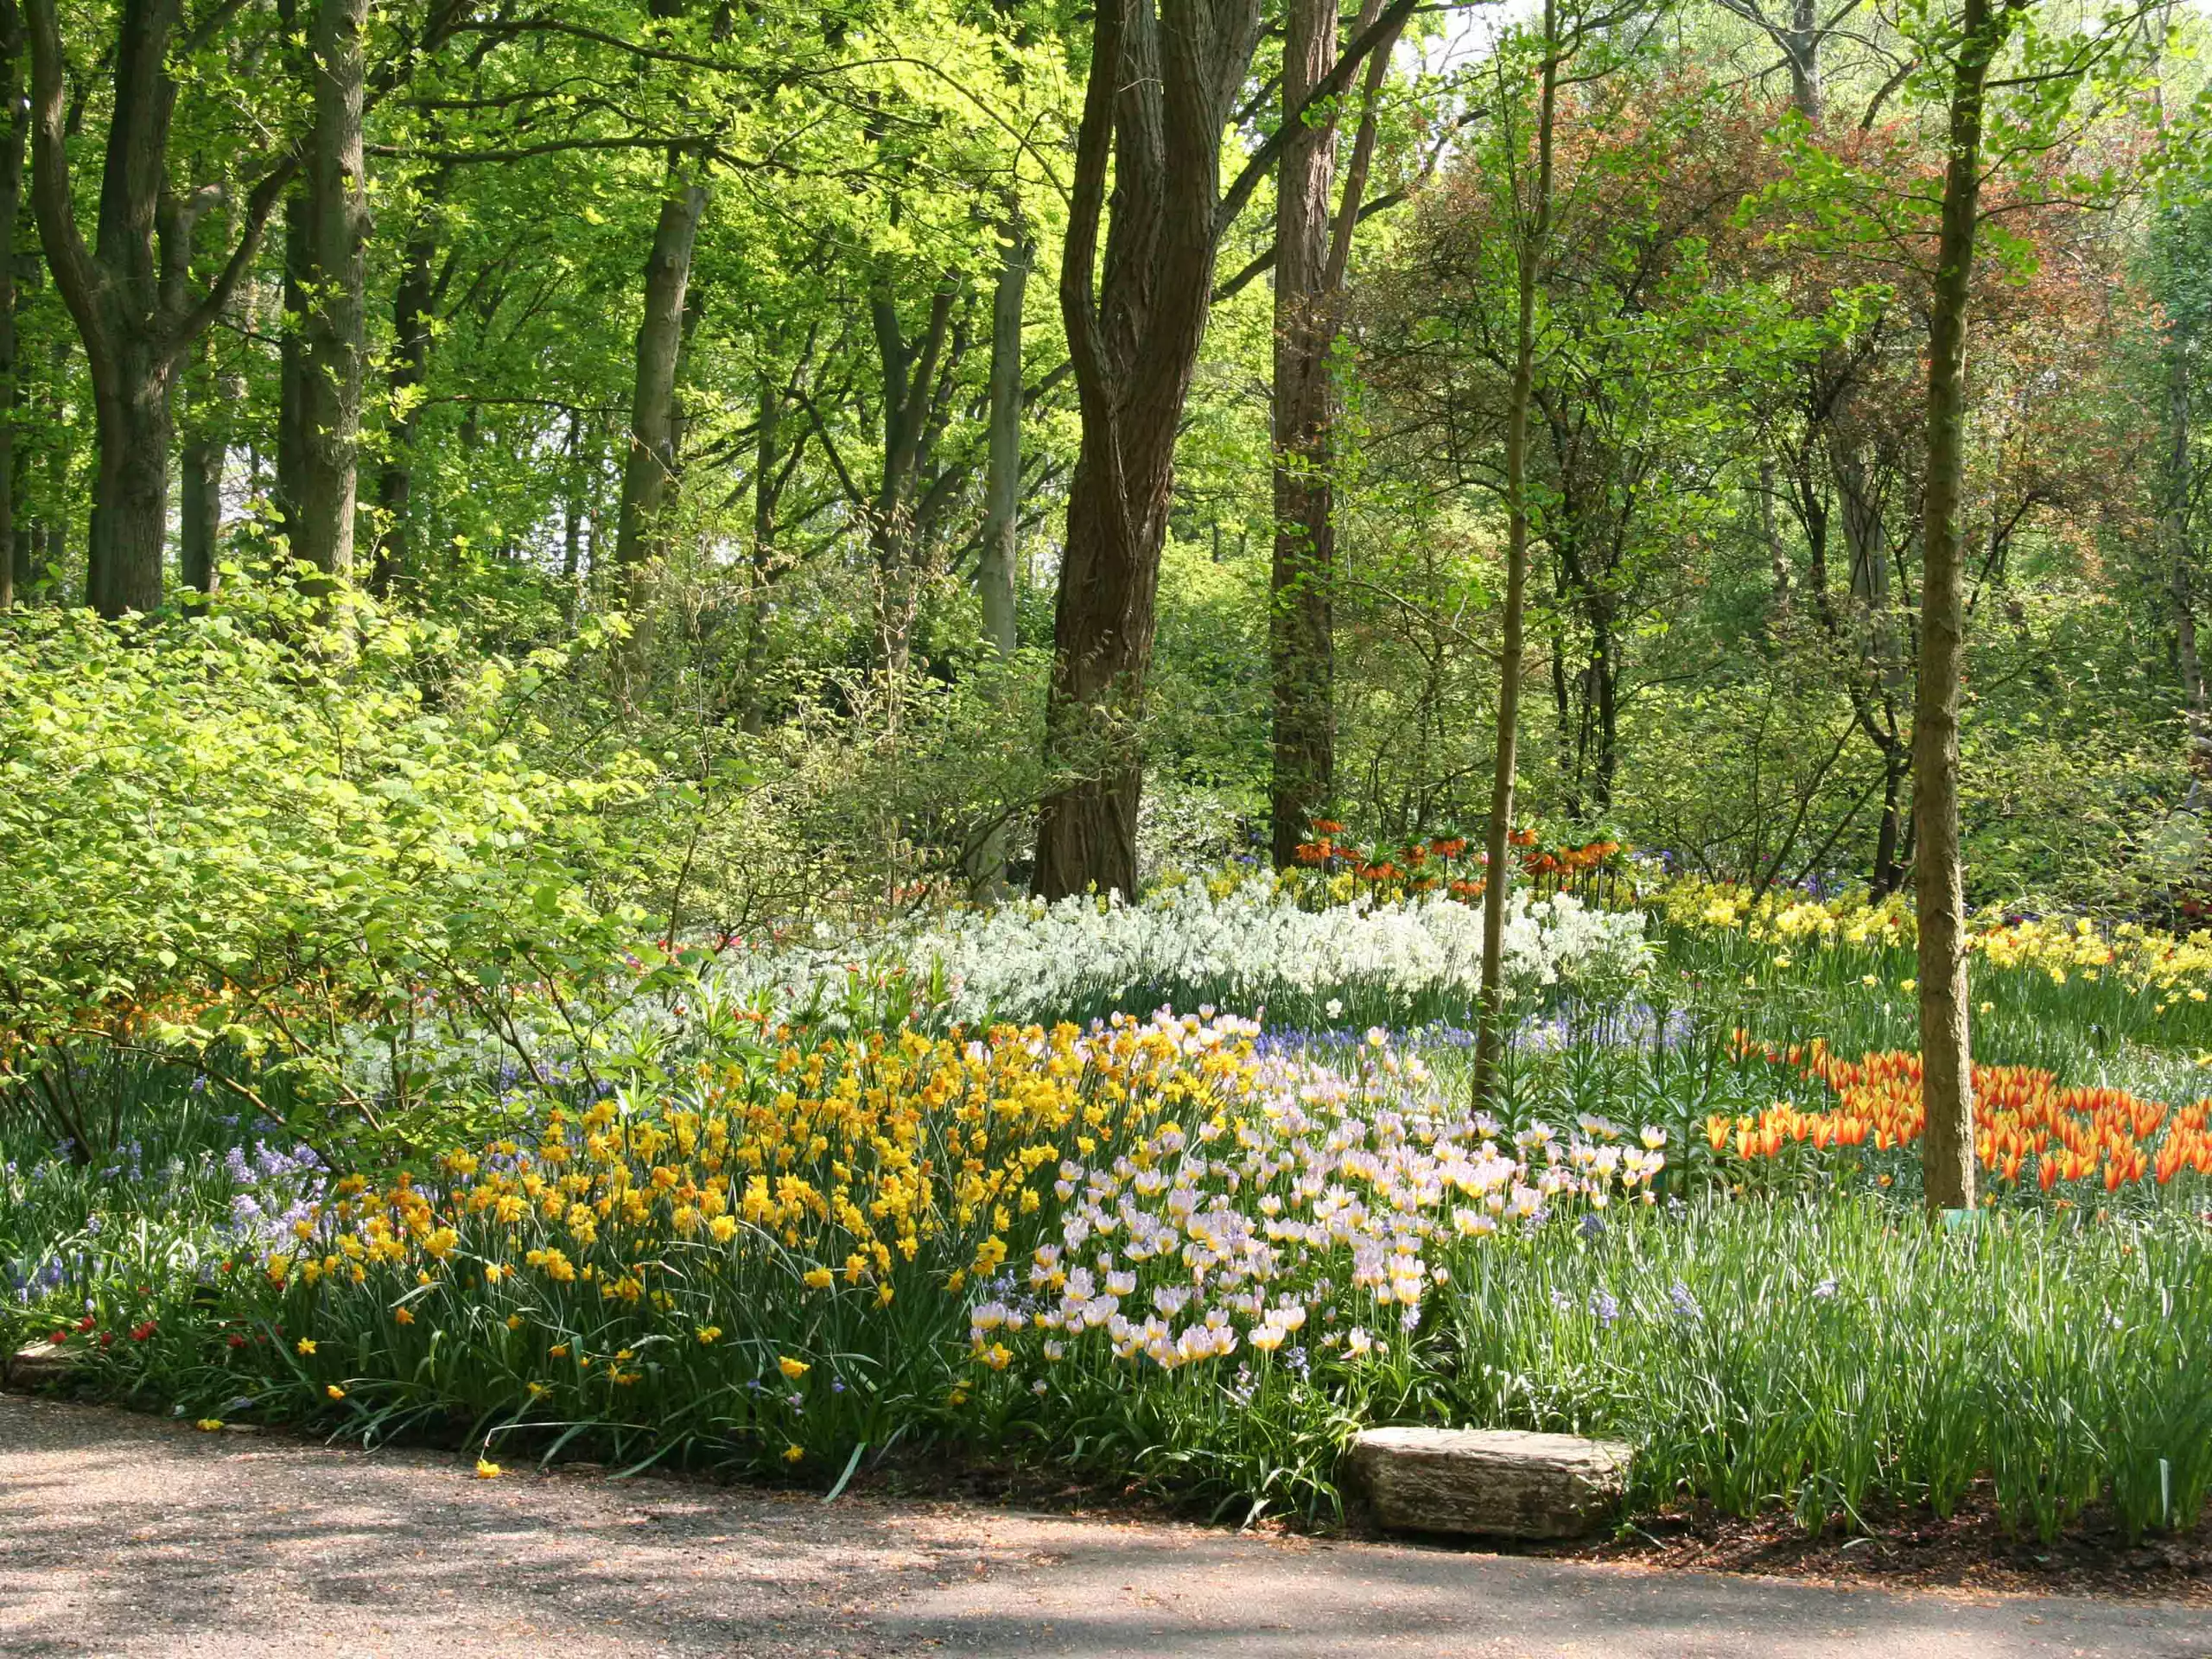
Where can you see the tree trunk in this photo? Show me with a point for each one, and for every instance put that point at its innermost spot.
(1300, 632)
(767, 475)
(909, 381)
(1947, 1076)
(291, 490)
(133, 325)
(2180, 565)
(1533, 221)
(1156, 102)
(201, 510)
(11, 198)
(413, 304)
(995, 564)
(649, 470)
(1800, 44)
(130, 492)
(337, 231)
(1888, 832)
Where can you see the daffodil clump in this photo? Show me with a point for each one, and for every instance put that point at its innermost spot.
(834, 1242)
(2060, 993)
(777, 1255)
(2141, 958)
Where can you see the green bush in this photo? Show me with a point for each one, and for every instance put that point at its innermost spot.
(239, 838)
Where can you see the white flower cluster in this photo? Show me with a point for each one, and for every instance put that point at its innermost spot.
(1333, 1198)
(1249, 945)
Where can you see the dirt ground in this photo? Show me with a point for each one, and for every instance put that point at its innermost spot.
(122, 1534)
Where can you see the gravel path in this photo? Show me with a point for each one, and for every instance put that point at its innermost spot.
(125, 1535)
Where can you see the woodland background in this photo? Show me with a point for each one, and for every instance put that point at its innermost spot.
(697, 377)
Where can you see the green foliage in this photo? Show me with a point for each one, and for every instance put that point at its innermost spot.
(240, 838)
(1833, 1356)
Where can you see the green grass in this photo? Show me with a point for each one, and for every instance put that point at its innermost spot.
(1831, 1354)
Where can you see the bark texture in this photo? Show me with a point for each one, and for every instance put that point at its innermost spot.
(337, 226)
(135, 327)
(1301, 654)
(1939, 898)
(649, 471)
(414, 304)
(11, 195)
(1162, 86)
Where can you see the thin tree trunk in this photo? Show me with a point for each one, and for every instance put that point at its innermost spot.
(649, 470)
(2180, 565)
(909, 380)
(767, 461)
(200, 512)
(1889, 834)
(994, 565)
(572, 504)
(1534, 217)
(337, 233)
(11, 197)
(291, 485)
(413, 303)
(1947, 1076)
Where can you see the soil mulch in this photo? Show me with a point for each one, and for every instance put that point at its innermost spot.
(1972, 1549)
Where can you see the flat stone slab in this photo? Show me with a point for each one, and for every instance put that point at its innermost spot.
(36, 1365)
(1497, 1483)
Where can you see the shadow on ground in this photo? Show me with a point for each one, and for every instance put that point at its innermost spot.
(125, 1535)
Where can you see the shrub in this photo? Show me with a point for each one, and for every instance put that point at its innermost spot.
(230, 836)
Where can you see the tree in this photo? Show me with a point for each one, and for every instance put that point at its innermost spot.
(1971, 45)
(337, 234)
(1161, 89)
(996, 563)
(1530, 197)
(136, 320)
(12, 142)
(1311, 250)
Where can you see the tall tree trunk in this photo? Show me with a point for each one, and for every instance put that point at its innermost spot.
(291, 489)
(768, 472)
(572, 504)
(1310, 258)
(1301, 652)
(2181, 563)
(649, 469)
(199, 509)
(131, 490)
(1801, 43)
(910, 388)
(1947, 1073)
(1156, 102)
(11, 198)
(1533, 220)
(337, 233)
(995, 564)
(414, 302)
(134, 327)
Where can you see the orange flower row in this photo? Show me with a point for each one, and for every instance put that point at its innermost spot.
(2024, 1123)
